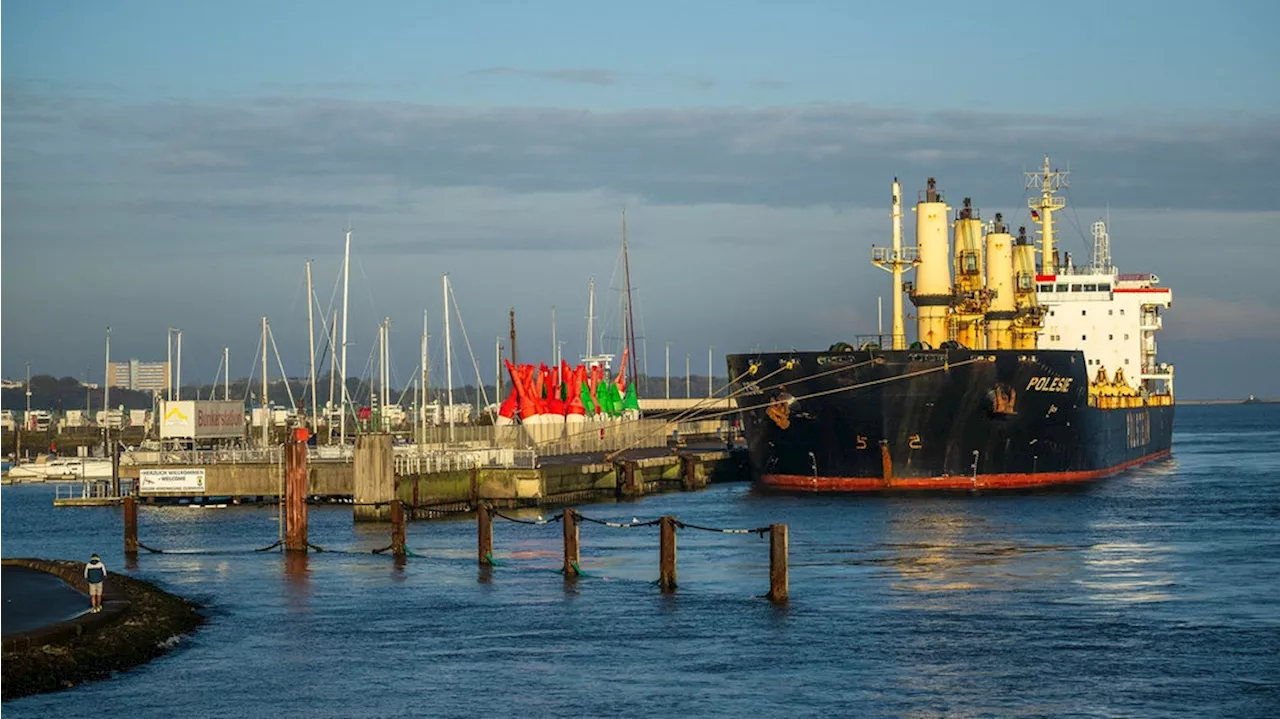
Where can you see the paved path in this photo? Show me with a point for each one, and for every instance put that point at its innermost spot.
(35, 599)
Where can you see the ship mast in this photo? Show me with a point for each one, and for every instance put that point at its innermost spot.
(1047, 181)
(896, 261)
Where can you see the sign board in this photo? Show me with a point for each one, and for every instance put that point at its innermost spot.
(153, 481)
(199, 419)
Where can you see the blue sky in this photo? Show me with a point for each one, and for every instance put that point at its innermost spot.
(200, 153)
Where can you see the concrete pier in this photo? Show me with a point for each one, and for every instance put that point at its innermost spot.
(373, 478)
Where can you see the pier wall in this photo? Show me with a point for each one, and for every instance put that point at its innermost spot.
(550, 484)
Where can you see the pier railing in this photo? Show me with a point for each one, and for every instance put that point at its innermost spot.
(432, 462)
(468, 446)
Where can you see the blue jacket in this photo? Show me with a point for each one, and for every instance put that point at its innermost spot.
(95, 572)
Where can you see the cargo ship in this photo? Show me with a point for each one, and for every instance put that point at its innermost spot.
(1026, 370)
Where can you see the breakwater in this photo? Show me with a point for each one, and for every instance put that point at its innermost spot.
(139, 622)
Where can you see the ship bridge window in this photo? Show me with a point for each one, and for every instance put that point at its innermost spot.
(1076, 288)
(1104, 288)
(1046, 288)
(1084, 312)
(1062, 288)
(1090, 288)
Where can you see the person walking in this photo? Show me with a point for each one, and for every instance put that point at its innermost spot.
(95, 572)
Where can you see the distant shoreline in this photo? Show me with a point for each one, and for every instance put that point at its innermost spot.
(1225, 401)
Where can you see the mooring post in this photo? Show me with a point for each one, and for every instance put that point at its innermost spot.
(295, 491)
(778, 582)
(131, 526)
(667, 554)
(397, 528)
(570, 522)
(689, 476)
(484, 522)
(115, 469)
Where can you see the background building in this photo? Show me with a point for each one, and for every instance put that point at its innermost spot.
(138, 375)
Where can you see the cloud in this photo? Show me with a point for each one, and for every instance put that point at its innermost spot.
(838, 155)
(580, 76)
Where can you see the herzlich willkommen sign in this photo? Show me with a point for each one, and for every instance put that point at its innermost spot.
(152, 481)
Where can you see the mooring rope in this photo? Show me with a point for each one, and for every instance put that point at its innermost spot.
(758, 530)
(539, 521)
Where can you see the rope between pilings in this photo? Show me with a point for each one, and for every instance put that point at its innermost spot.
(539, 521)
(758, 530)
(619, 525)
(209, 552)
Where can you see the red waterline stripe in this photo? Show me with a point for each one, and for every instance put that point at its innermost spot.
(802, 483)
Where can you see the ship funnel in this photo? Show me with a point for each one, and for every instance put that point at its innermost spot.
(932, 294)
(970, 301)
(1003, 307)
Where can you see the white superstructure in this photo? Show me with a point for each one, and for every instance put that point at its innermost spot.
(1113, 318)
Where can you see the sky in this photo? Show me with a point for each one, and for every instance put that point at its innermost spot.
(176, 164)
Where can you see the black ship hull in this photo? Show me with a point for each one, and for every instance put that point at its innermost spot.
(877, 420)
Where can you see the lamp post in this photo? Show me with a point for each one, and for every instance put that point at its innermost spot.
(668, 382)
(709, 369)
(688, 382)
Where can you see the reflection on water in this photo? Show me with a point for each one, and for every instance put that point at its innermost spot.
(297, 578)
(1126, 572)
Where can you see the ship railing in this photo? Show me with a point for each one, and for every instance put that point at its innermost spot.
(883, 342)
(886, 255)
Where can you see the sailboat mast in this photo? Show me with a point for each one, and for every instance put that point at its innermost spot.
(311, 338)
(266, 413)
(591, 317)
(422, 406)
(554, 359)
(226, 377)
(346, 286)
(448, 352)
(631, 321)
(328, 428)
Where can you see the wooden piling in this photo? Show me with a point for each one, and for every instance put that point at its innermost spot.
(667, 554)
(779, 584)
(484, 521)
(689, 465)
(131, 525)
(397, 528)
(295, 495)
(115, 469)
(570, 522)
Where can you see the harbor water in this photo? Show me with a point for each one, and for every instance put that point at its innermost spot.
(1149, 594)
